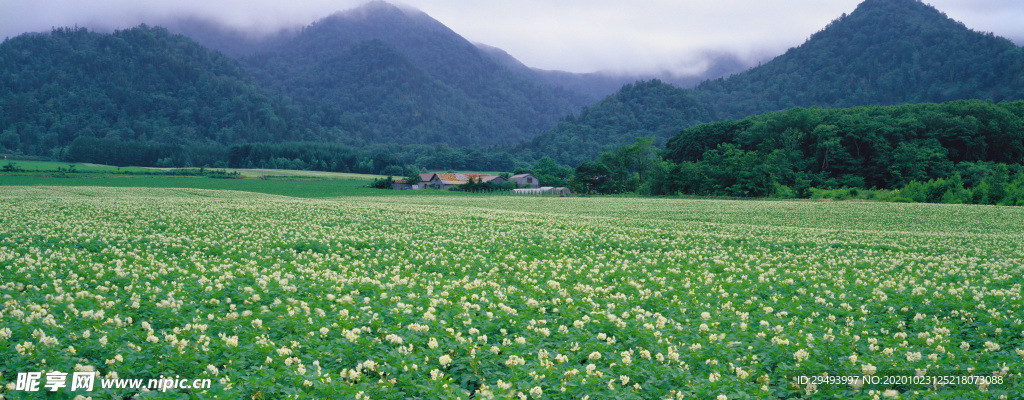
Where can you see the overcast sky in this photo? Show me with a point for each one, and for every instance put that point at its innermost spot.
(569, 35)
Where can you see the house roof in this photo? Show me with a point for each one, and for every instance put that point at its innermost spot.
(426, 177)
(482, 177)
(522, 176)
(449, 178)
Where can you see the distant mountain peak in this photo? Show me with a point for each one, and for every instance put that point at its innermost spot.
(383, 6)
(378, 11)
(372, 9)
(906, 16)
(885, 52)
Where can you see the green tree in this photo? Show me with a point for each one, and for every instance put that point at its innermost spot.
(550, 173)
(592, 177)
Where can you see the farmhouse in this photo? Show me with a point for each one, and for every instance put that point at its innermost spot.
(526, 181)
(402, 184)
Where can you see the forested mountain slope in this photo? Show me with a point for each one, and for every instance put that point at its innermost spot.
(434, 85)
(886, 52)
(136, 85)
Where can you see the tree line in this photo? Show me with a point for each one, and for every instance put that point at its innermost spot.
(918, 152)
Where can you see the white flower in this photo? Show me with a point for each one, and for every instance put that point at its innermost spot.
(801, 355)
(212, 369)
(445, 360)
(514, 360)
(868, 369)
(25, 348)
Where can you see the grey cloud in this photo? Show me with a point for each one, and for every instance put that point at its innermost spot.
(636, 36)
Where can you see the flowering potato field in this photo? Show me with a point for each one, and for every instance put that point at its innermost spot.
(509, 297)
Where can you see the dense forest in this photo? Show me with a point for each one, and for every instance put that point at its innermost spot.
(863, 147)
(136, 85)
(971, 149)
(886, 52)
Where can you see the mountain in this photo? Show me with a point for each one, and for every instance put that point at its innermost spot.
(425, 83)
(886, 52)
(374, 83)
(136, 85)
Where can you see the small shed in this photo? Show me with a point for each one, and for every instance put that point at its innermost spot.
(402, 184)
